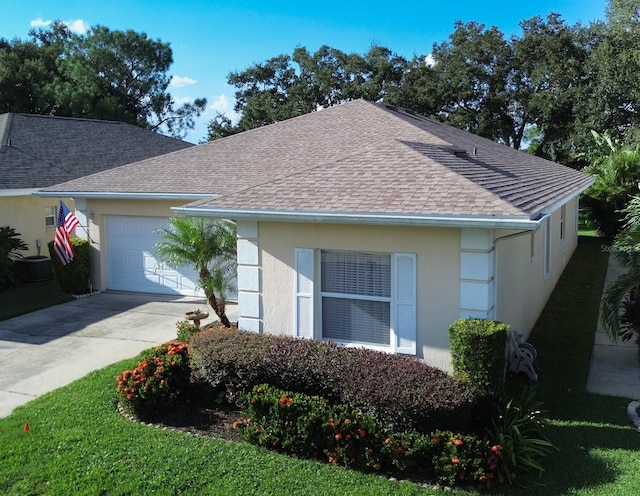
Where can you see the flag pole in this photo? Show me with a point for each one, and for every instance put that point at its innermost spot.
(85, 229)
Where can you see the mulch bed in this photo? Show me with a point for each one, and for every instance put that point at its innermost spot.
(197, 419)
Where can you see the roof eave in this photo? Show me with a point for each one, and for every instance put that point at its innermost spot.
(553, 206)
(433, 220)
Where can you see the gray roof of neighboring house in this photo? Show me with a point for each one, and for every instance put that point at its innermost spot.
(359, 158)
(37, 151)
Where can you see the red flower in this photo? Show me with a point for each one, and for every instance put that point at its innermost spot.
(455, 460)
(26, 426)
(458, 442)
(338, 436)
(361, 432)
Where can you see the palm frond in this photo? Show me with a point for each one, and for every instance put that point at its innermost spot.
(613, 299)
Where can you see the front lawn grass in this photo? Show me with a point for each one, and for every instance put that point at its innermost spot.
(29, 297)
(79, 444)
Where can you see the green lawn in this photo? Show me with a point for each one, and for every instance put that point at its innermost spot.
(28, 297)
(79, 444)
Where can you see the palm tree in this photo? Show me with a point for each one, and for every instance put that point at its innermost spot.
(208, 246)
(624, 293)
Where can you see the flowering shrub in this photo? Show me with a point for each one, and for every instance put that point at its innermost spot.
(158, 382)
(309, 426)
(463, 459)
(353, 439)
(283, 421)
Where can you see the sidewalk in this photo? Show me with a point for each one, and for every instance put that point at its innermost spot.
(615, 368)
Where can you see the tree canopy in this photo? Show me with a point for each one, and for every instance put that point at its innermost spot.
(544, 89)
(104, 74)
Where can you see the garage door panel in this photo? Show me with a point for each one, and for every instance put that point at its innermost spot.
(131, 262)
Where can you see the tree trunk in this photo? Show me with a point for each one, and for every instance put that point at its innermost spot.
(219, 309)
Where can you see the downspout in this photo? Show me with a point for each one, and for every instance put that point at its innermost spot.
(495, 259)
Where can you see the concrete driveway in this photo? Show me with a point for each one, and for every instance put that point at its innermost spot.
(50, 348)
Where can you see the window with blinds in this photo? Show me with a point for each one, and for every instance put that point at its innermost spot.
(356, 297)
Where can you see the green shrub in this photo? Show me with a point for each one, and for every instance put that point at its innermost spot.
(478, 354)
(186, 330)
(311, 427)
(288, 422)
(74, 277)
(159, 382)
(10, 247)
(402, 392)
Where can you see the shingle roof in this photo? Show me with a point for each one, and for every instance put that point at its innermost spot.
(38, 151)
(358, 157)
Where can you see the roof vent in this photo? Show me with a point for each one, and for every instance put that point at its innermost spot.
(459, 152)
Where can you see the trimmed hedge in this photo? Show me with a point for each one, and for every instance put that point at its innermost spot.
(73, 277)
(478, 354)
(401, 392)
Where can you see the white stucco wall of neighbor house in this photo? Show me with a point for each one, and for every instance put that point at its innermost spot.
(266, 274)
(529, 265)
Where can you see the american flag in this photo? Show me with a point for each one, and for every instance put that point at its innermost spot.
(62, 246)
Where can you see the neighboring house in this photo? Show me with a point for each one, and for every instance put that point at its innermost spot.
(364, 224)
(37, 151)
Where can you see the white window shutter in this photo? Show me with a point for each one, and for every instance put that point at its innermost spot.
(404, 301)
(304, 292)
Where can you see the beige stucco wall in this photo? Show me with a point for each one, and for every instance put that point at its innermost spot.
(97, 210)
(522, 289)
(437, 266)
(25, 213)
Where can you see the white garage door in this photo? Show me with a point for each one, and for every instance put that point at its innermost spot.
(132, 265)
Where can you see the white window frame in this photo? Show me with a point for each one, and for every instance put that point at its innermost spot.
(403, 313)
(53, 216)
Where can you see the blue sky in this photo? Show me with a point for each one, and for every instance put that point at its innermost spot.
(211, 38)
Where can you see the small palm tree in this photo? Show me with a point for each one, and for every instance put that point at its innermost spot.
(209, 247)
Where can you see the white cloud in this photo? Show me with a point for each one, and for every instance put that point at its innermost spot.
(77, 26)
(39, 23)
(181, 81)
(430, 61)
(223, 106)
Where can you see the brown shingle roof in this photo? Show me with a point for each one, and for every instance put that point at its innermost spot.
(358, 157)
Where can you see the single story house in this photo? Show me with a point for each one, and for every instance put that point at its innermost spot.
(37, 151)
(364, 223)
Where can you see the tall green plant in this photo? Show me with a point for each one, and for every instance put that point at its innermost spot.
(210, 248)
(623, 293)
(10, 247)
(615, 168)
